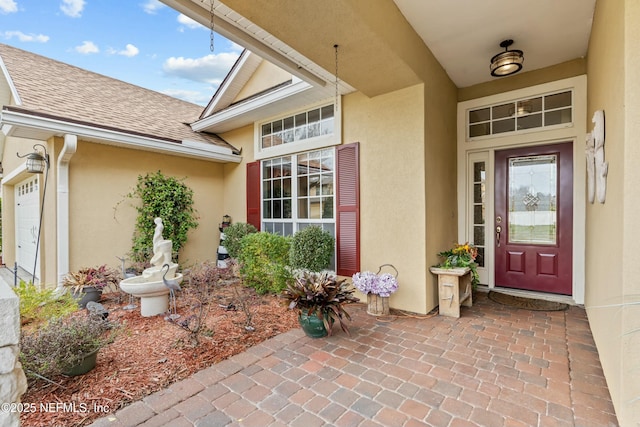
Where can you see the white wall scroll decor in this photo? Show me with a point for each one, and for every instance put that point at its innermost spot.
(597, 168)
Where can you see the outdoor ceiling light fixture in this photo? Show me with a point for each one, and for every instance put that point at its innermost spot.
(507, 62)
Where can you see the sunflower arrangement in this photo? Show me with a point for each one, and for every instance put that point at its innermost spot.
(460, 256)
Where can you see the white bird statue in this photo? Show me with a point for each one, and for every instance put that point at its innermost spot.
(173, 286)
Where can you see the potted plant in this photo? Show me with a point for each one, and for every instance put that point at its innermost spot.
(319, 299)
(88, 283)
(64, 346)
(457, 277)
(378, 287)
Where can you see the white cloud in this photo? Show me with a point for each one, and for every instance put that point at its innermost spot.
(188, 22)
(87, 47)
(8, 6)
(40, 38)
(210, 69)
(192, 96)
(152, 6)
(72, 8)
(130, 50)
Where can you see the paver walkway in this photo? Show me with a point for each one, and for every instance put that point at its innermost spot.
(494, 366)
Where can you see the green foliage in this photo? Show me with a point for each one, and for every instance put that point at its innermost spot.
(168, 198)
(311, 249)
(320, 294)
(263, 262)
(61, 344)
(233, 234)
(40, 305)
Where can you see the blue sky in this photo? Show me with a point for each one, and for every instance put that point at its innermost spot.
(142, 42)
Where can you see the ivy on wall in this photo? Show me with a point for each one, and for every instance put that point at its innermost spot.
(168, 198)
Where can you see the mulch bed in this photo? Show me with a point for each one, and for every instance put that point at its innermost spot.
(150, 353)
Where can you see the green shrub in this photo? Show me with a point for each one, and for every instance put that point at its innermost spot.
(263, 262)
(233, 234)
(311, 249)
(61, 344)
(38, 305)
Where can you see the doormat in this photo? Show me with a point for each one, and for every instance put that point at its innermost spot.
(526, 303)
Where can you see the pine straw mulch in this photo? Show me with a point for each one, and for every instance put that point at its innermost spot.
(150, 353)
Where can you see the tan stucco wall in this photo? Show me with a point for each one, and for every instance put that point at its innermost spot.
(101, 176)
(612, 285)
(235, 175)
(390, 130)
(266, 76)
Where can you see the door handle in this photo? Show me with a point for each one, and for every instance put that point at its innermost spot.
(498, 231)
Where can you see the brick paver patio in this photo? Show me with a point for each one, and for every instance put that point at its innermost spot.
(494, 366)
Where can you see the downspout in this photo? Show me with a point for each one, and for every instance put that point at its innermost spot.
(69, 149)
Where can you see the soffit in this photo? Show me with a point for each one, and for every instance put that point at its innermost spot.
(376, 50)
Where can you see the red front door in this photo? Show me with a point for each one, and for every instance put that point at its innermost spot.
(534, 218)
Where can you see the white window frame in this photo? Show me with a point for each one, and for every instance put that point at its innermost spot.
(310, 144)
(295, 220)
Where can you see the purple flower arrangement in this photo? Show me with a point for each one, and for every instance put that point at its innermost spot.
(380, 284)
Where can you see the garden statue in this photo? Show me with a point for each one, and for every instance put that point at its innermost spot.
(150, 287)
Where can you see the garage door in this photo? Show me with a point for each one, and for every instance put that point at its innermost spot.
(27, 223)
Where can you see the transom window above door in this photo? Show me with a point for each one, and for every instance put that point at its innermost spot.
(555, 109)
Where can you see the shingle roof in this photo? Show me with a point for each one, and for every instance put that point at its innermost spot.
(50, 88)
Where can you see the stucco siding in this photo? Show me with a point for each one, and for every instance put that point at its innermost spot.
(390, 130)
(612, 228)
(102, 219)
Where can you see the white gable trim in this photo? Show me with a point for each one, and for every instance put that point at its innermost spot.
(239, 75)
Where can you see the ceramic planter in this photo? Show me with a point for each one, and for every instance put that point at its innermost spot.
(87, 363)
(88, 293)
(312, 326)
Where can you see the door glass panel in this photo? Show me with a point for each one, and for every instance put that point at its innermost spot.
(532, 199)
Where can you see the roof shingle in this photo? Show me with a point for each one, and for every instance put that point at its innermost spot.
(55, 89)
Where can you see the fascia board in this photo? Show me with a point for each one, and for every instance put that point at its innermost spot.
(120, 139)
(244, 108)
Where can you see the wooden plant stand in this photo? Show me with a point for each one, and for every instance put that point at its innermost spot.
(454, 289)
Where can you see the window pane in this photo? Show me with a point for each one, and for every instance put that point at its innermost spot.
(286, 208)
(481, 115)
(315, 208)
(303, 209)
(478, 214)
(478, 236)
(528, 106)
(480, 257)
(529, 122)
(266, 190)
(266, 169)
(557, 117)
(327, 112)
(479, 130)
(267, 141)
(477, 193)
(557, 100)
(266, 129)
(478, 172)
(303, 189)
(277, 188)
(327, 207)
(501, 111)
(286, 187)
(266, 209)
(501, 126)
(313, 116)
(532, 199)
(277, 126)
(277, 209)
(288, 229)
